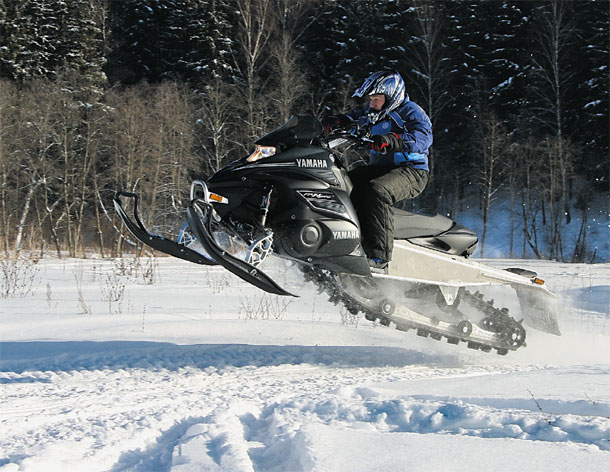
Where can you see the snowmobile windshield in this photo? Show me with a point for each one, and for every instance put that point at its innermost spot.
(297, 131)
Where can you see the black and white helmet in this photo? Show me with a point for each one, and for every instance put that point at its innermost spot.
(388, 83)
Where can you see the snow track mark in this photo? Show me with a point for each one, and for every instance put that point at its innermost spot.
(261, 408)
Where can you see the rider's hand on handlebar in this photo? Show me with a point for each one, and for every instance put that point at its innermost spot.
(386, 143)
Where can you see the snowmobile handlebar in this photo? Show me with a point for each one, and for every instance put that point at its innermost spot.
(340, 136)
(337, 137)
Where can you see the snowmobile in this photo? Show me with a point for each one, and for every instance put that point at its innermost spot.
(290, 198)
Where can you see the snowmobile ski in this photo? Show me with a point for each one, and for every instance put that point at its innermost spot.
(155, 241)
(199, 214)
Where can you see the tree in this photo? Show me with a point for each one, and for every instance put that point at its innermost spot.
(257, 22)
(553, 36)
(557, 154)
(215, 125)
(138, 51)
(29, 33)
(208, 41)
(347, 42)
(45, 37)
(426, 51)
(428, 78)
(74, 134)
(10, 183)
(538, 71)
(289, 86)
(491, 146)
(527, 171)
(590, 111)
(173, 161)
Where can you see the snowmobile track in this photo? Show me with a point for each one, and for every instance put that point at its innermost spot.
(505, 332)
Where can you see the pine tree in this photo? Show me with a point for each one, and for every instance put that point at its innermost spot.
(465, 69)
(320, 46)
(591, 107)
(45, 38)
(172, 39)
(29, 34)
(503, 57)
(348, 41)
(79, 45)
(208, 46)
(137, 50)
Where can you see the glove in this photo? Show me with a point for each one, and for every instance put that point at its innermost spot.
(336, 121)
(386, 143)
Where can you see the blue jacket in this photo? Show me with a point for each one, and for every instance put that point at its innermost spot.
(408, 121)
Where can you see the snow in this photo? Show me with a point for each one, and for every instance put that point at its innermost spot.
(593, 103)
(160, 365)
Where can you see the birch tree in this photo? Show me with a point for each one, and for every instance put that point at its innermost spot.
(492, 149)
(554, 86)
(257, 22)
(215, 125)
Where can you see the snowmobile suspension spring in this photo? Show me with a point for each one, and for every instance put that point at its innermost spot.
(265, 202)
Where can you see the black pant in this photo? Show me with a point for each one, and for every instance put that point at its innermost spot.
(376, 190)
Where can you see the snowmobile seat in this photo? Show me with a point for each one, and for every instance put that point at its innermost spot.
(435, 232)
(415, 225)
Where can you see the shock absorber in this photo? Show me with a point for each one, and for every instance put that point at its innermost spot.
(265, 202)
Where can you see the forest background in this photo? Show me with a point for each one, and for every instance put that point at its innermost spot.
(145, 95)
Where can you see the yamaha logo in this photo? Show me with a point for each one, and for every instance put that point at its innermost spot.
(346, 235)
(314, 163)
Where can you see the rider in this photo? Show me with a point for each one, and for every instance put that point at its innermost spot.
(401, 134)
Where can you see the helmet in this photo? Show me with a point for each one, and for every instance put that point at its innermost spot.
(388, 83)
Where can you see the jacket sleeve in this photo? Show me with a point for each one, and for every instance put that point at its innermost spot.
(417, 131)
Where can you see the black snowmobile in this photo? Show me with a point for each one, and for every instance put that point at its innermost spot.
(290, 197)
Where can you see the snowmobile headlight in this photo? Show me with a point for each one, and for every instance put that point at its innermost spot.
(261, 152)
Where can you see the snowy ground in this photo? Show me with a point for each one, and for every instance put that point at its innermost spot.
(198, 372)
